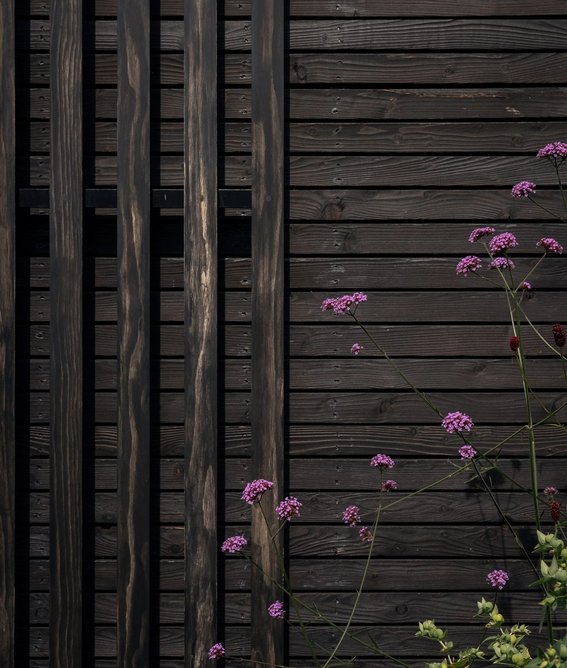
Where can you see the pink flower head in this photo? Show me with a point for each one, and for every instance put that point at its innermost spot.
(276, 610)
(457, 422)
(526, 285)
(480, 232)
(467, 452)
(501, 263)
(383, 462)
(523, 189)
(356, 348)
(389, 485)
(550, 245)
(216, 651)
(502, 242)
(288, 508)
(351, 515)
(550, 490)
(365, 534)
(344, 304)
(557, 150)
(468, 264)
(555, 511)
(234, 544)
(254, 490)
(497, 579)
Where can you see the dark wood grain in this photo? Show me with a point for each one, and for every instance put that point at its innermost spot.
(66, 414)
(268, 211)
(200, 297)
(358, 104)
(133, 334)
(7, 334)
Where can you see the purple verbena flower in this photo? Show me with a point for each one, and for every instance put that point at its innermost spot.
(457, 422)
(497, 579)
(523, 189)
(550, 245)
(254, 490)
(526, 285)
(276, 610)
(555, 150)
(288, 508)
(389, 485)
(351, 515)
(480, 232)
(344, 304)
(467, 452)
(216, 651)
(365, 534)
(501, 263)
(234, 544)
(502, 243)
(469, 263)
(383, 462)
(550, 490)
(356, 348)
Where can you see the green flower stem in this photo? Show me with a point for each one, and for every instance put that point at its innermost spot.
(306, 636)
(530, 272)
(555, 215)
(560, 185)
(359, 591)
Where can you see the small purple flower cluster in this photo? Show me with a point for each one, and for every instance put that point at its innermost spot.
(365, 534)
(523, 189)
(382, 462)
(351, 515)
(234, 544)
(457, 422)
(550, 490)
(526, 285)
(344, 304)
(480, 232)
(356, 348)
(501, 263)
(216, 651)
(467, 452)
(557, 150)
(389, 486)
(276, 610)
(288, 508)
(469, 263)
(502, 243)
(254, 490)
(497, 579)
(550, 245)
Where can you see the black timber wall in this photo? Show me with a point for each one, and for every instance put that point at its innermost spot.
(396, 128)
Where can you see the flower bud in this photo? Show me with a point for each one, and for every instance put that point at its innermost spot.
(514, 343)
(558, 335)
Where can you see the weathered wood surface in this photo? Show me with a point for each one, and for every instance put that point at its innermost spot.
(383, 308)
(200, 376)
(321, 440)
(494, 34)
(268, 288)
(350, 8)
(428, 68)
(7, 334)
(393, 137)
(133, 633)
(400, 104)
(341, 374)
(329, 340)
(66, 397)
(439, 508)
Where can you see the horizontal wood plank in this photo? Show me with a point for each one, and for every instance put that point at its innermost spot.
(533, 103)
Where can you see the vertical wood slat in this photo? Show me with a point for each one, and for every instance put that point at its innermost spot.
(7, 332)
(200, 233)
(267, 307)
(134, 208)
(66, 389)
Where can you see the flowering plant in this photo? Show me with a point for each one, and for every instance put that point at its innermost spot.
(504, 645)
